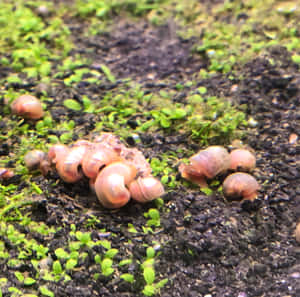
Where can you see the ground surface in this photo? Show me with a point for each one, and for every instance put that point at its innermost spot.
(205, 246)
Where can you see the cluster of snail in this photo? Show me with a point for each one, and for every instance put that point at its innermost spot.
(116, 173)
(215, 160)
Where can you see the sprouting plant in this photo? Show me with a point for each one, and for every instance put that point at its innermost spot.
(149, 274)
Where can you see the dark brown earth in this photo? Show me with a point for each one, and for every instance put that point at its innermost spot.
(209, 247)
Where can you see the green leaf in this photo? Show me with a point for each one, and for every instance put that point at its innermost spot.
(72, 104)
(149, 290)
(108, 74)
(105, 243)
(296, 59)
(111, 253)
(46, 292)
(165, 122)
(56, 267)
(125, 262)
(19, 276)
(29, 281)
(61, 253)
(106, 263)
(150, 252)
(98, 259)
(178, 113)
(128, 277)
(71, 263)
(149, 275)
(154, 214)
(161, 283)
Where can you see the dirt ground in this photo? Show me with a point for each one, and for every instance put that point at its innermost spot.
(208, 246)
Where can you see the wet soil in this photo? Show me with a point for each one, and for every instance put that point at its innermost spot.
(208, 246)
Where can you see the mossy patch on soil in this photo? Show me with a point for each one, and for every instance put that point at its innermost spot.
(169, 77)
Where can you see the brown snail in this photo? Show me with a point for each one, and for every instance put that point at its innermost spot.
(111, 184)
(240, 185)
(206, 164)
(68, 166)
(145, 189)
(37, 159)
(242, 159)
(96, 158)
(6, 173)
(57, 152)
(297, 233)
(28, 107)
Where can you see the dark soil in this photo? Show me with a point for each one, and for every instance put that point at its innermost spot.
(209, 247)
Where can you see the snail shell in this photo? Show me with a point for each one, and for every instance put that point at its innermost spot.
(6, 173)
(146, 189)
(205, 164)
(33, 159)
(242, 159)
(37, 159)
(96, 158)
(57, 152)
(28, 107)
(68, 167)
(240, 185)
(137, 159)
(111, 182)
(297, 232)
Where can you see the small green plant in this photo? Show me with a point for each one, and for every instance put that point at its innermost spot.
(154, 217)
(148, 267)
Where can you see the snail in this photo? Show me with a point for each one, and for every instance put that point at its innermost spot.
(68, 164)
(240, 185)
(146, 189)
(5, 173)
(57, 152)
(111, 182)
(136, 158)
(28, 107)
(206, 164)
(97, 157)
(297, 233)
(37, 159)
(242, 159)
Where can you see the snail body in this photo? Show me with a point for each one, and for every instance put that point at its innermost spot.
(240, 185)
(111, 184)
(242, 159)
(206, 164)
(145, 189)
(28, 107)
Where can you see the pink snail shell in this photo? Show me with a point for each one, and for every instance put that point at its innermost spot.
(206, 164)
(28, 107)
(97, 157)
(68, 167)
(111, 182)
(240, 185)
(145, 189)
(242, 159)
